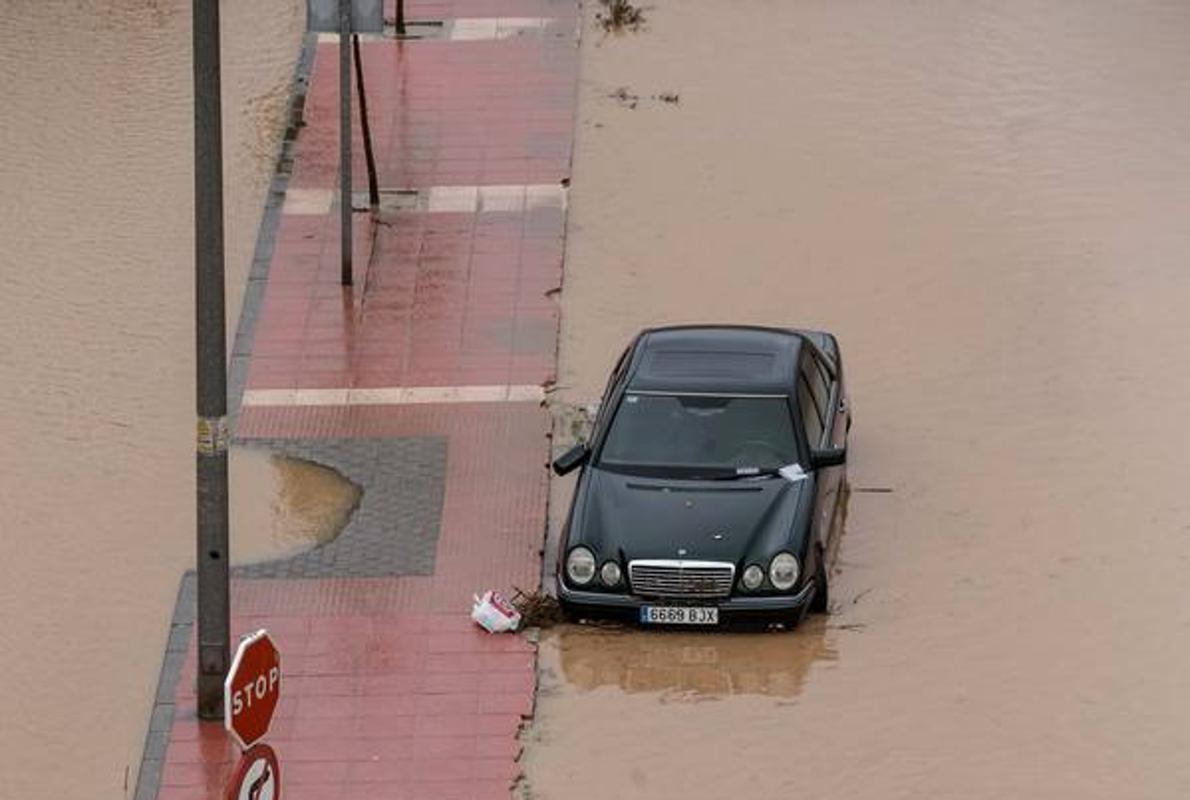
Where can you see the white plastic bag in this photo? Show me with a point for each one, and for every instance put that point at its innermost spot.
(495, 614)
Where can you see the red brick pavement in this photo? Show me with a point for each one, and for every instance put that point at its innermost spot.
(389, 689)
(444, 298)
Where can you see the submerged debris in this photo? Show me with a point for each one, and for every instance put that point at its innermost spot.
(538, 609)
(625, 97)
(572, 422)
(620, 16)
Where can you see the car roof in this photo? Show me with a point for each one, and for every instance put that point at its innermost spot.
(721, 359)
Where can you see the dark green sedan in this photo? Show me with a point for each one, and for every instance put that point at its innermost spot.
(711, 479)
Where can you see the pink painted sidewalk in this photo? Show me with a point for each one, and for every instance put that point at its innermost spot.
(389, 689)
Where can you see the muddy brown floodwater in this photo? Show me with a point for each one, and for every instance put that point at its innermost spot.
(988, 203)
(283, 506)
(96, 365)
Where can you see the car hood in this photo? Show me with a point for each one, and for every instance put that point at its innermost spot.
(634, 517)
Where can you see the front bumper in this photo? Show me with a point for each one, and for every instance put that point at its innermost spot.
(763, 608)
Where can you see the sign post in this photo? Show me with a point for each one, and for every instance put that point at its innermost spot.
(213, 615)
(345, 203)
(250, 696)
(345, 17)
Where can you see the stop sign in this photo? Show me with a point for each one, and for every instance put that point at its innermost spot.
(252, 688)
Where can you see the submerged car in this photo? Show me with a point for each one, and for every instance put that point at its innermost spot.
(710, 481)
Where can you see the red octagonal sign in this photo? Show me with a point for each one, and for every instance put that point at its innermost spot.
(252, 689)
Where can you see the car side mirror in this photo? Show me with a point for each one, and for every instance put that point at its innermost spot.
(572, 459)
(828, 457)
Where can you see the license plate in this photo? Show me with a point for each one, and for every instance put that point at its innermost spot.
(679, 615)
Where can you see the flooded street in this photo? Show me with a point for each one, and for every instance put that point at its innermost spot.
(96, 364)
(987, 203)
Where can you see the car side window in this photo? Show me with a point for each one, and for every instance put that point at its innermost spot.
(820, 385)
(612, 379)
(811, 415)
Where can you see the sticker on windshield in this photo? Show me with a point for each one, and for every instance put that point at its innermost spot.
(632, 398)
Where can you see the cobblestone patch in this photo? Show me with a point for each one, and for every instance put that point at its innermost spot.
(394, 531)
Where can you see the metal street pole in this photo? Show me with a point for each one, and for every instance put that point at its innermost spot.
(345, 139)
(211, 350)
(364, 127)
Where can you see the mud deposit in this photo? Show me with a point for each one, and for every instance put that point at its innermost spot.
(96, 360)
(987, 202)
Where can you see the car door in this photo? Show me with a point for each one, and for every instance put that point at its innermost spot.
(818, 394)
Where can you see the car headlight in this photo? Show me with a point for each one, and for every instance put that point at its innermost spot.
(610, 573)
(783, 571)
(753, 577)
(580, 566)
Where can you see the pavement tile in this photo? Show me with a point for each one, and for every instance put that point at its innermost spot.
(313, 774)
(183, 793)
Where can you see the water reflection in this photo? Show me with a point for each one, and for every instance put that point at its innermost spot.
(692, 665)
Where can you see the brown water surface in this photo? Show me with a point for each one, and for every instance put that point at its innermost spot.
(988, 203)
(282, 506)
(96, 362)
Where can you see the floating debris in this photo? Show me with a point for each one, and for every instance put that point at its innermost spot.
(537, 609)
(625, 97)
(620, 16)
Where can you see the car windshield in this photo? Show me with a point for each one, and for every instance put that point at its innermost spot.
(699, 436)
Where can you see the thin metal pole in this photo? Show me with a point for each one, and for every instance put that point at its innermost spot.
(365, 128)
(400, 17)
(345, 139)
(211, 373)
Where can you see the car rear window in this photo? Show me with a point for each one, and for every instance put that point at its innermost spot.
(708, 364)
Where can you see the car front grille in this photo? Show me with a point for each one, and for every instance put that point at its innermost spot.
(681, 578)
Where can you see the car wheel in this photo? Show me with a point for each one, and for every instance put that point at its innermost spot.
(821, 602)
